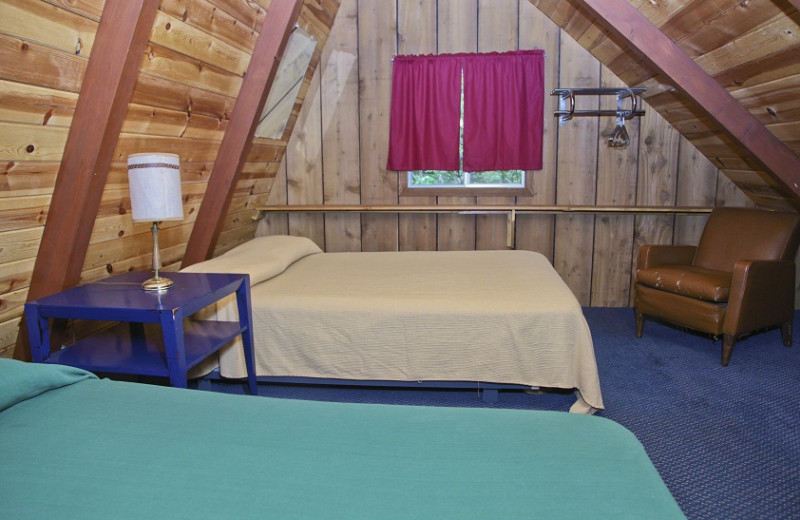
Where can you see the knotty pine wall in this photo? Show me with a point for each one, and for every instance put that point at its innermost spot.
(186, 89)
(337, 154)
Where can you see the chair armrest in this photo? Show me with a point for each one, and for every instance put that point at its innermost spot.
(762, 295)
(654, 255)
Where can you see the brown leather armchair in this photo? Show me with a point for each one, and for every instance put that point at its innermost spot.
(737, 280)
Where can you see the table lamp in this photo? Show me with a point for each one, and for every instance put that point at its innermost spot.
(155, 187)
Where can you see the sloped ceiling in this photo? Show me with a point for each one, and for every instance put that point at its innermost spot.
(725, 73)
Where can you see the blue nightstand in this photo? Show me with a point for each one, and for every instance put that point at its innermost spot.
(126, 348)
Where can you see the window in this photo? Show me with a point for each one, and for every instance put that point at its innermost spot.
(448, 179)
(467, 122)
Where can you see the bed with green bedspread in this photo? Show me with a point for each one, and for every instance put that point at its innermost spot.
(74, 446)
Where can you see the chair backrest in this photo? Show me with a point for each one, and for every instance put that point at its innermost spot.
(733, 234)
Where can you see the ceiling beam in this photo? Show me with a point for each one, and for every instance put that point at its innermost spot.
(795, 3)
(653, 45)
(111, 73)
(270, 45)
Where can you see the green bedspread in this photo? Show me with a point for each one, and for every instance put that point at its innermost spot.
(91, 448)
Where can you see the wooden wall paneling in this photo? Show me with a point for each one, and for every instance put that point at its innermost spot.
(207, 17)
(20, 244)
(238, 136)
(498, 23)
(729, 194)
(15, 275)
(168, 63)
(377, 44)
(12, 303)
(768, 39)
(24, 142)
(457, 27)
(304, 168)
(276, 223)
(8, 337)
(14, 281)
(138, 245)
(48, 25)
(616, 186)
(535, 232)
(577, 166)
(193, 150)
(21, 103)
(773, 67)
(122, 36)
(165, 93)
(340, 136)
(416, 34)
(36, 64)
(89, 8)
(696, 186)
(24, 212)
(702, 26)
(231, 238)
(26, 178)
(657, 184)
(173, 33)
(148, 120)
(250, 13)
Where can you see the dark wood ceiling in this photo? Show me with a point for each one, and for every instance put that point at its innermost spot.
(725, 73)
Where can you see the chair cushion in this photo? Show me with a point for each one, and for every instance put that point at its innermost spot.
(694, 282)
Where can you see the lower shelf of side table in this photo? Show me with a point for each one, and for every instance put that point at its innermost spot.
(117, 350)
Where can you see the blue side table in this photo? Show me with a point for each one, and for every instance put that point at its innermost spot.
(126, 348)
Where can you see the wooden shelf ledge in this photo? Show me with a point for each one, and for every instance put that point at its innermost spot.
(466, 209)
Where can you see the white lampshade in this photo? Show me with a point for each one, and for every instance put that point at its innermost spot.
(155, 187)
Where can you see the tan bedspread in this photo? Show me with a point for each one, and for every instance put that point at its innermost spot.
(488, 316)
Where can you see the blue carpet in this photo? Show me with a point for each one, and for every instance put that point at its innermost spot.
(726, 440)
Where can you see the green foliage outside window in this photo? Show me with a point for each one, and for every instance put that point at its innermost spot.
(428, 178)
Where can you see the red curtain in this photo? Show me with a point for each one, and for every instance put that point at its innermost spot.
(503, 111)
(425, 113)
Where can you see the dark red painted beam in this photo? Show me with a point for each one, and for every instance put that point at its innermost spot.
(278, 24)
(795, 3)
(118, 50)
(626, 21)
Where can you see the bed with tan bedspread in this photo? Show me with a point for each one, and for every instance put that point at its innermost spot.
(486, 316)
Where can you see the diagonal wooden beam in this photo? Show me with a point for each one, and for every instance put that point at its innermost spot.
(795, 3)
(121, 38)
(625, 20)
(270, 45)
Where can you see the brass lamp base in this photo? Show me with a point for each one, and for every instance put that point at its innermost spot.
(157, 283)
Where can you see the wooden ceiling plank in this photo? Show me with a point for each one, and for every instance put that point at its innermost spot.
(763, 41)
(237, 141)
(99, 113)
(690, 78)
(739, 19)
(768, 68)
